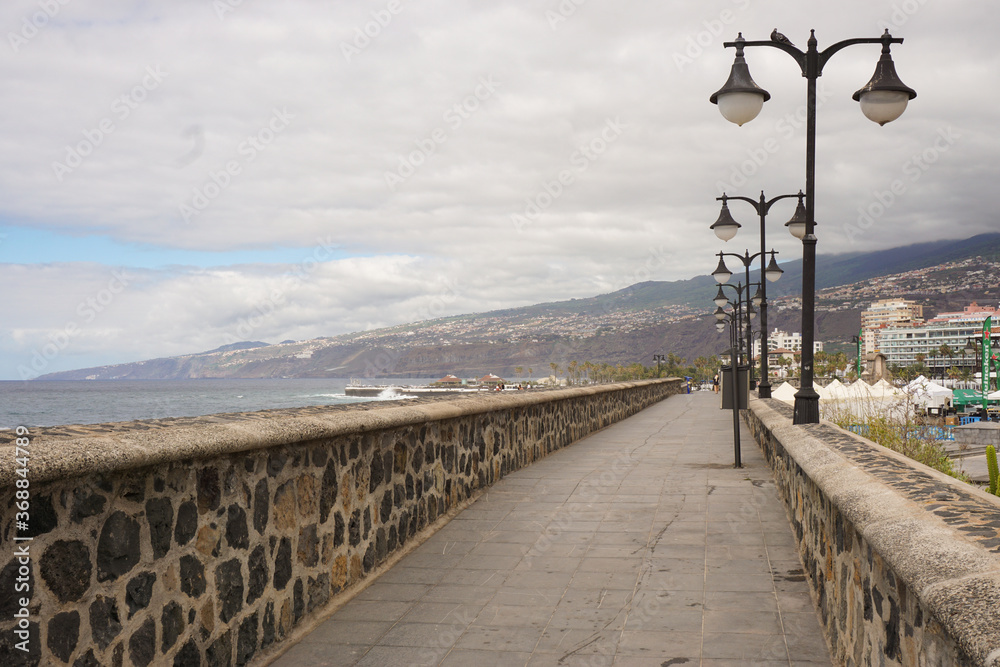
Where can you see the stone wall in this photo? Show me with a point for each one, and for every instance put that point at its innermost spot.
(207, 541)
(904, 561)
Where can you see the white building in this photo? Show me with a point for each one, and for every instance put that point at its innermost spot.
(779, 340)
(886, 313)
(902, 343)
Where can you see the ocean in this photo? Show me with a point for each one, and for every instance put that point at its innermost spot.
(54, 403)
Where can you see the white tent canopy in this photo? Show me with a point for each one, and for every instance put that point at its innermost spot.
(785, 393)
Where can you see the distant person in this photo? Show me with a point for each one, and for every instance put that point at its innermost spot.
(715, 383)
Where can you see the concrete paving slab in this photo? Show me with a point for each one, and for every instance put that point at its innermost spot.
(639, 545)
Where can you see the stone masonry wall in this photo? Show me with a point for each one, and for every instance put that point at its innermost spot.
(207, 542)
(904, 561)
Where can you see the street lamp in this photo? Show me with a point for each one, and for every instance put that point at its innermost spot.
(772, 272)
(658, 358)
(726, 228)
(882, 100)
(857, 341)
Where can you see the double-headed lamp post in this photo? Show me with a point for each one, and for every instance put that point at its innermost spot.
(658, 358)
(725, 228)
(883, 99)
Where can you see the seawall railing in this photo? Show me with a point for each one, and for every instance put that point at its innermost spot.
(903, 560)
(211, 540)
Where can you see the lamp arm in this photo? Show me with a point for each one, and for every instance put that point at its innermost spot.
(767, 205)
(828, 52)
(742, 258)
(753, 202)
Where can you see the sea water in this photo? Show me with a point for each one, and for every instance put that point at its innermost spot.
(54, 403)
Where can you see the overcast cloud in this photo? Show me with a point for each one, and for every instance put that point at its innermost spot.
(171, 171)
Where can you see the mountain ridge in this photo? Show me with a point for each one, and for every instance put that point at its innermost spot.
(627, 325)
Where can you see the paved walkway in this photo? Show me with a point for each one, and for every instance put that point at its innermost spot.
(640, 545)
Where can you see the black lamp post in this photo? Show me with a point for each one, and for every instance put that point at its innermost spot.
(883, 99)
(658, 358)
(857, 341)
(737, 318)
(725, 228)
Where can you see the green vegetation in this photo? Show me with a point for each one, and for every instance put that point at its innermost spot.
(896, 428)
(991, 463)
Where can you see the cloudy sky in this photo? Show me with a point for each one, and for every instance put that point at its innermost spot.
(179, 175)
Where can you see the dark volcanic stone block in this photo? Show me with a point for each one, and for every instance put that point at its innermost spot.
(142, 644)
(276, 463)
(267, 627)
(65, 567)
(43, 516)
(188, 656)
(118, 547)
(64, 631)
(139, 591)
(237, 533)
(187, 522)
(15, 657)
(283, 564)
(172, 622)
(246, 642)
(85, 504)
(160, 515)
(354, 528)
(257, 580)
(319, 591)
(261, 505)
(328, 491)
(298, 604)
(375, 472)
(386, 509)
(87, 660)
(338, 529)
(381, 545)
(229, 589)
(209, 491)
(220, 652)
(104, 621)
(192, 576)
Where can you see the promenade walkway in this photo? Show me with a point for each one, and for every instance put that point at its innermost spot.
(639, 545)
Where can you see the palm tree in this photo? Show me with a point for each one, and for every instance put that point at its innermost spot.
(518, 370)
(555, 369)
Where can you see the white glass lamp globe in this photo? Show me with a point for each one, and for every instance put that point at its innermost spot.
(740, 108)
